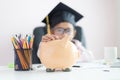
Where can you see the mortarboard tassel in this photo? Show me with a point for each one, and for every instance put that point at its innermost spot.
(48, 25)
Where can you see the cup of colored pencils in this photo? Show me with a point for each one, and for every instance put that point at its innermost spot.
(23, 52)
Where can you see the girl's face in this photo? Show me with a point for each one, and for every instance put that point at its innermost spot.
(64, 28)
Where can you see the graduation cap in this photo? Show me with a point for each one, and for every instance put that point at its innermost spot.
(62, 13)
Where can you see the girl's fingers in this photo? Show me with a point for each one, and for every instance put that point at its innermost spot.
(49, 37)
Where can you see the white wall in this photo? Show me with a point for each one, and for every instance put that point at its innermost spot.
(118, 8)
(21, 16)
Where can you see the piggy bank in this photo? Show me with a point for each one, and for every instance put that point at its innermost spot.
(58, 54)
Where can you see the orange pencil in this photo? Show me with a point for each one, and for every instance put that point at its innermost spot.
(24, 45)
(15, 44)
(31, 41)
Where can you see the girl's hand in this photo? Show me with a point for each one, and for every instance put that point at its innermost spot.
(50, 37)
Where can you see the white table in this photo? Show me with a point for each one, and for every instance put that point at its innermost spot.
(88, 71)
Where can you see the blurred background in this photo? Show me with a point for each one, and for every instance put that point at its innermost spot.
(101, 22)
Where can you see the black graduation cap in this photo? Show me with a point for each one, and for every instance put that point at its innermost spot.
(62, 13)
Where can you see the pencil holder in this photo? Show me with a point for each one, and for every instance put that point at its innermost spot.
(23, 59)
